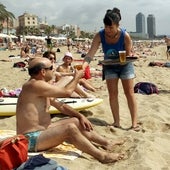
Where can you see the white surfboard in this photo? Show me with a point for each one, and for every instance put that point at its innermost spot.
(8, 104)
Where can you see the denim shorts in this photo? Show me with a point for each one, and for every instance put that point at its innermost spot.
(119, 71)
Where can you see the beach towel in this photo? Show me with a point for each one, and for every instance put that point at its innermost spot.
(4, 92)
(145, 88)
(63, 151)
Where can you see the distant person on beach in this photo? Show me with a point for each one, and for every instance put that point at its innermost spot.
(34, 121)
(25, 51)
(160, 64)
(51, 55)
(167, 41)
(68, 43)
(49, 43)
(113, 39)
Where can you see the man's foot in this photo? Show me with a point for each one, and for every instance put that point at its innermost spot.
(112, 157)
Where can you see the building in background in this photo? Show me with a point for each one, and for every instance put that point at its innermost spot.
(28, 20)
(151, 27)
(140, 27)
(140, 23)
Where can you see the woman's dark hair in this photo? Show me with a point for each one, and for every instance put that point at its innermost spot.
(35, 69)
(46, 54)
(112, 16)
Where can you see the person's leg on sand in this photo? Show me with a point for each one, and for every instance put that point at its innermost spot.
(129, 93)
(86, 84)
(68, 130)
(112, 86)
(107, 144)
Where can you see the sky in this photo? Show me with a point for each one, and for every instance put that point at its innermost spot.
(89, 14)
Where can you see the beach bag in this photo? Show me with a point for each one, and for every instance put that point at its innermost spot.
(13, 152)
(87, 74)
(58, 50)
(145, 88)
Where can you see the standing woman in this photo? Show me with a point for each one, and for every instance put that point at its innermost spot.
(113, 39)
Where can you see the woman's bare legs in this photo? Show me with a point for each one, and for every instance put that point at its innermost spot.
(129, 93)
(82, 92)
(112, 86)
(79, 92)
(85, 83)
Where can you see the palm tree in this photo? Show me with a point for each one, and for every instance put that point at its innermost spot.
(53, 28)
(5, 15)
(48, 30)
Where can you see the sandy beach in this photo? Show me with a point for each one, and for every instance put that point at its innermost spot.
(148, 149)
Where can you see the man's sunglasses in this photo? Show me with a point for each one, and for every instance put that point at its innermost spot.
(49, 68)
(52, 58)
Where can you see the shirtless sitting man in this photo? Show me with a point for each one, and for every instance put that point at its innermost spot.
(34, 121)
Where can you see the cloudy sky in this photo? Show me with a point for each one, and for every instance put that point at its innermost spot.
(88, 14)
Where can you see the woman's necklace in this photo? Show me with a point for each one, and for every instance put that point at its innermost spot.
(112, 37)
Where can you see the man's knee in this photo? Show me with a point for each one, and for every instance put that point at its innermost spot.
(75, 120)
(72, 129)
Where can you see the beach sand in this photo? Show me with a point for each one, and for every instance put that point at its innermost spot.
(144, 150)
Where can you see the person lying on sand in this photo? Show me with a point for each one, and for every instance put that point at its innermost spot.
(33, 119)
(160, 64)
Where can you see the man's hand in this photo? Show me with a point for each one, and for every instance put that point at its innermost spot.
(78, 74)
(85, 123)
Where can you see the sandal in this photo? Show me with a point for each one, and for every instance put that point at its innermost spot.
(136, 128)
(115, 126)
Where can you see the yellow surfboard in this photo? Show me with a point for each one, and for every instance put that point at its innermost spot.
(8, 104)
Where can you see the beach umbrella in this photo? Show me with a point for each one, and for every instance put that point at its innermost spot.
(4, 35)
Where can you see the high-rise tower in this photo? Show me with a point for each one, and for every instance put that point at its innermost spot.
(151, 28)
(140, 23)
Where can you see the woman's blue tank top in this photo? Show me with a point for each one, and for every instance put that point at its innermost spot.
(111, 50)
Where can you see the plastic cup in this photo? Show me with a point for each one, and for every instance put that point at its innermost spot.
(78, 67)
(122, 56)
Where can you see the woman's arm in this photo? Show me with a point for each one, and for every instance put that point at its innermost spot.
(128, 44)
(94, 47)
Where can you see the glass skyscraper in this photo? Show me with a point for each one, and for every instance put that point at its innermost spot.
(140, 23)
(151, 28)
